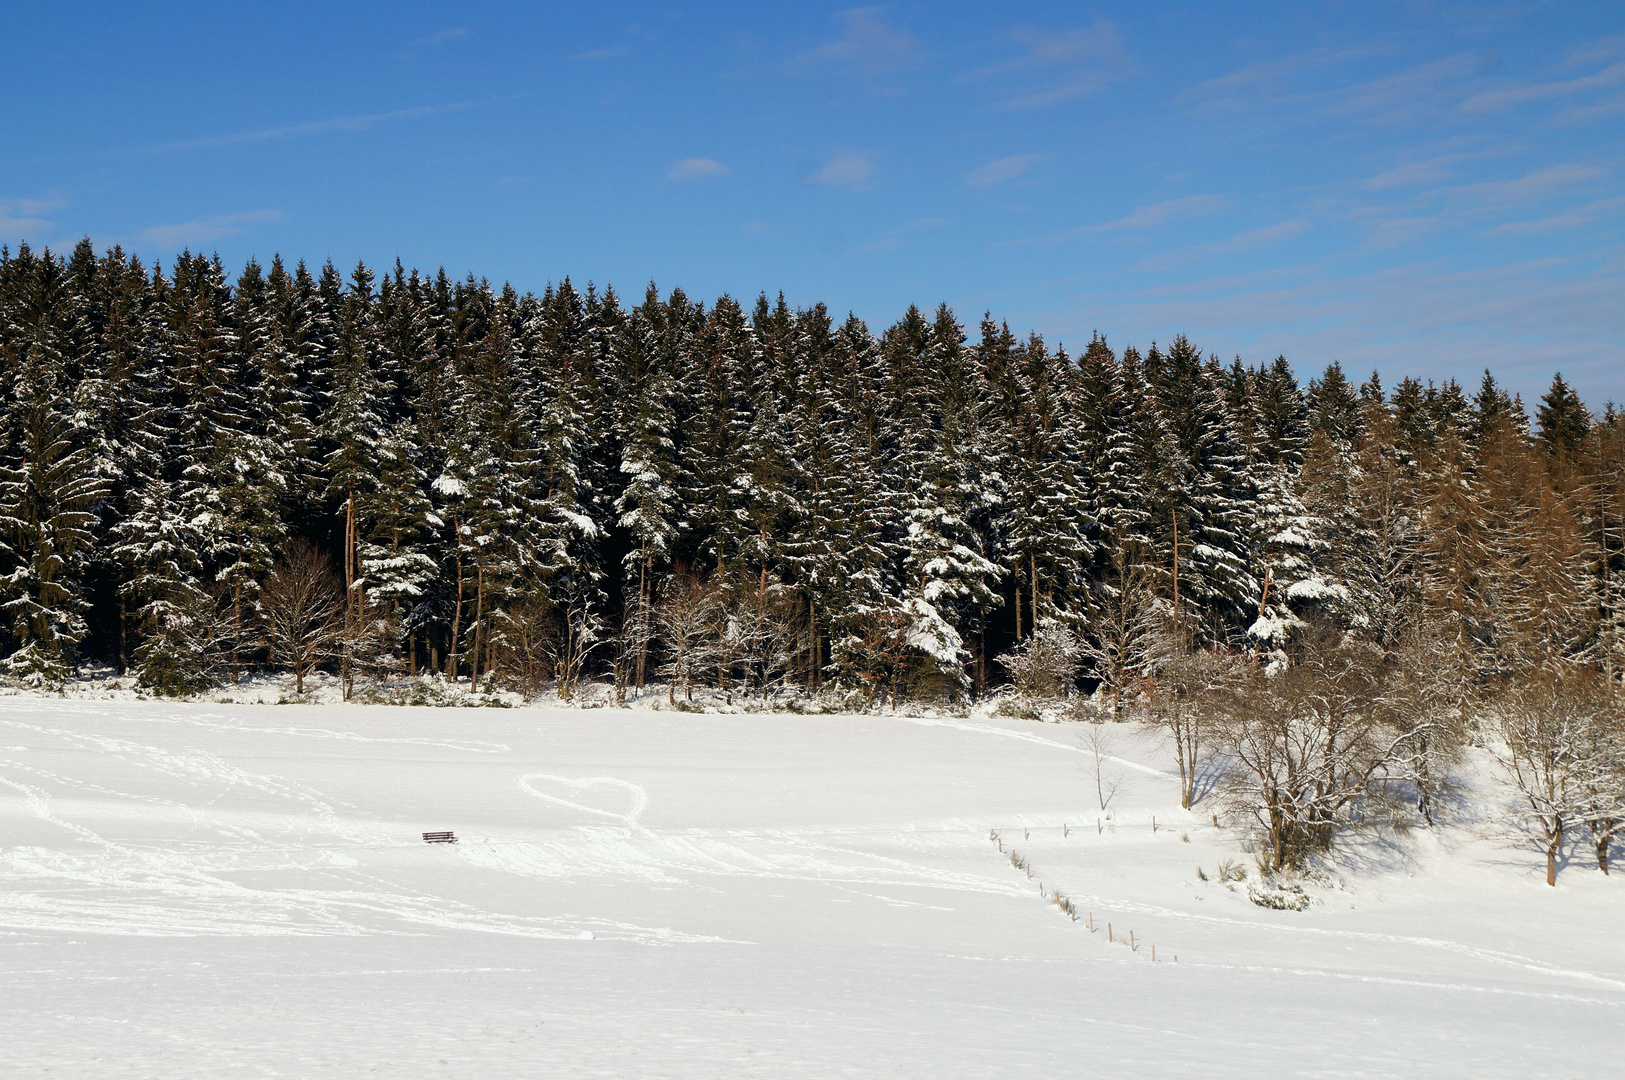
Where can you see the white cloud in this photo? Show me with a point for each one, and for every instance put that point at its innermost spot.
(1067, 64)
(1524, 320)
(844, 170)
(1147, 217)
(996, 172)
(1299, 84)
(316, 127)
(1230, 245)
(206, 230)
(1494, 193)
(608, 53)
(892, 239)
(1265, 82)
(1582, 114)
(439, 37)
(868, 45)
(695, 168)
(1410, 174)
(19, 217)
(1573, 218)
(1490, 101)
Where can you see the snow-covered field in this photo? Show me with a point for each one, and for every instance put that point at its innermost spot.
(237, 890)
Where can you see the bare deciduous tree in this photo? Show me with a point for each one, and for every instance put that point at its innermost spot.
(760, 637)
(1186, 686)
(1426, 679)
(581, 633)
(1124, 632)
(685, 620)
(528, 631)
(300, 605)
(1043, 666)
(1306, 745)
(1555, 730)
(1097, 741)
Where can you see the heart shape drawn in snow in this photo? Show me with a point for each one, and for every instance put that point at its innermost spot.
(619, 800)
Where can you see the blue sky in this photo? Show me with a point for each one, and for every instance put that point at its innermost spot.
(1425, 188)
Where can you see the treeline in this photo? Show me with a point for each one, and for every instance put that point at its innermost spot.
(201, 476)
(1321, 592)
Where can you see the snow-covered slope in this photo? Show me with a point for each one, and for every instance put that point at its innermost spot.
(202, 890)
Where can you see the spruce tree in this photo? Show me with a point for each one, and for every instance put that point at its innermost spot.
(157, 544)
(1564, 421)
(659, 339)
(49, 481)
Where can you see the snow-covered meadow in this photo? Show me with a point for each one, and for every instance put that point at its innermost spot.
(209, 890)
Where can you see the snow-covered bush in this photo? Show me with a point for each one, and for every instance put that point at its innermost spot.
(1044, 666)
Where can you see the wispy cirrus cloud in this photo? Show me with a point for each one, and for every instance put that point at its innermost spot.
(997, 172)
(1438, 208)
(696, 168)
(1149, 217)
(847, 170)
(440, 37)
(892, 239)
(429, 41)
(1142, 219)
(1573, 218)
(1056, 66)
(867, 46)
(1230, 245)
(1584, 114)
(21, 217)
(207, 230)
(1271, 82)
(1316, 83)
(361, 122)
(1496, 100)
(1413, 173)
(1497, 194)
(1422, 89)
(609, 52)
(1524, 319)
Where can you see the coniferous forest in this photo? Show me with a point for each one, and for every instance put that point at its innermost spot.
(1319, 593)
(204, 475)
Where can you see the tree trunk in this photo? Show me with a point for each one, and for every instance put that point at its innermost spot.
(351, 614)
(812, 645)
(1175, 516)
(1032, 561)
(479, 629)
(643, 612)
(1555, 844)
(457, 611)
(761, 590)
(237, 628)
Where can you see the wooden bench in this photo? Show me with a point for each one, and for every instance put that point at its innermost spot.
(439, 838)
